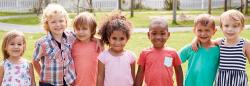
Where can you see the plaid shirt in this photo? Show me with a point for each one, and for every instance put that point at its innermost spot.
(56, 64)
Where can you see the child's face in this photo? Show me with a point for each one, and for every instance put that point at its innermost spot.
(15, 47)
(117, 41)
(83, 34)
(158, 35)
(57, 24)
(204, 33)
(231, 28)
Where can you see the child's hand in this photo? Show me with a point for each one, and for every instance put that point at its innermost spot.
(195, 44)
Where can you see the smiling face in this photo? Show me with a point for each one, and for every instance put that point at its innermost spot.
(117, 41)
(57, 24)
(204, 33)
(231, 28)
(15, 47)
(158, 35)
(83, 34)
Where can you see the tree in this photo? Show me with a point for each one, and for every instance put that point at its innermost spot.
(132, 8)
(168, 4)
(120, 4)
(246, 7)
(225, 5)
(209, 6)
(78, 7)
(174, 11)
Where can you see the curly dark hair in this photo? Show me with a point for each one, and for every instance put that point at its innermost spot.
(114, 22)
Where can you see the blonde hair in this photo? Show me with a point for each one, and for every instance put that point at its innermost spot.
(85, 20)
(234, 15)
(7, 38)
(204, 20)
(50, 11)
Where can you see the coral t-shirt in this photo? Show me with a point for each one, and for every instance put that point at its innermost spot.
(86, 63)
(159, 64)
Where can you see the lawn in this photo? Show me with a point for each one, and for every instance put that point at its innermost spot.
(140, 19)
(137, 42)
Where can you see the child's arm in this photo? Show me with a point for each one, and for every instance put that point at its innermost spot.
(139, 76)
(37, 66)
(133, 70)
(247, 50)
(195, 44)
(33, 82)
(100, 75)
(100, 45)
(179, 75)
(1, 74)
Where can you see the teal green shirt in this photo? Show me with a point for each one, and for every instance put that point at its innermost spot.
(202, 65)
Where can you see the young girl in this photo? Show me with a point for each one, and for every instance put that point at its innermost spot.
(15, 70)
(84, 51)
(157, 63)
(233, 51)
(202, 64)
(52, 56)
(116, 66)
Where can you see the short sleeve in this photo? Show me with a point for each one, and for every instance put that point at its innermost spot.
(37, 52)
(177, 60)
(132, 57)
(103, 57)
(142, 59)
(184, 55)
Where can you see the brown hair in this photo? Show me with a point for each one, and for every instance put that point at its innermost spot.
(204, 20)
(114, 22)
(7, 38)
(85, 20)
(234, 15)
(50, 11)
(158, 21)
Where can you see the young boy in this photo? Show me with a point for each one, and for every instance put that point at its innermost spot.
(202, 64)
(52, 57)
(157, 63)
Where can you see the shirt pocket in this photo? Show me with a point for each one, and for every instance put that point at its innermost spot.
(51, 53)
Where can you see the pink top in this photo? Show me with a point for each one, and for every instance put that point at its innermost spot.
(117, 68)
(86, 63)
(159, 65)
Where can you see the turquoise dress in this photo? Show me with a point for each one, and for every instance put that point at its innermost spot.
(202, 65)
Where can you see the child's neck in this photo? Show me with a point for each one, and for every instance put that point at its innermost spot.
(115, 53)
(58, 38)
(15, 60)
(208, 44)
(232, 42)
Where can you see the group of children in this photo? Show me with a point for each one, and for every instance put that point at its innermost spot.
(77, 58)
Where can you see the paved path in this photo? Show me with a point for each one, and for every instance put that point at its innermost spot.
(38, 28)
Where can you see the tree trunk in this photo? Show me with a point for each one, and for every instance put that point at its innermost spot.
(246, 7)
(174, 11)
(241, 6)
(120, 4)
(91, 6)
(78, 10)
(209, 6)
(132, 8)
(225, 5)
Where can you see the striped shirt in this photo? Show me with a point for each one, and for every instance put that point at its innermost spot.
(56, 63)
(232, 57)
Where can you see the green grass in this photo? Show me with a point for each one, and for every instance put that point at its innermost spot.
(137, 42)
(34, 20)
(12, 13)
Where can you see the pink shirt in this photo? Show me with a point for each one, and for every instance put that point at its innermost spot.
(159, 66)
(117, 68)
(86, 63)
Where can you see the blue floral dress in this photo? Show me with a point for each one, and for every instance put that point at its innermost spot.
(16, 74)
